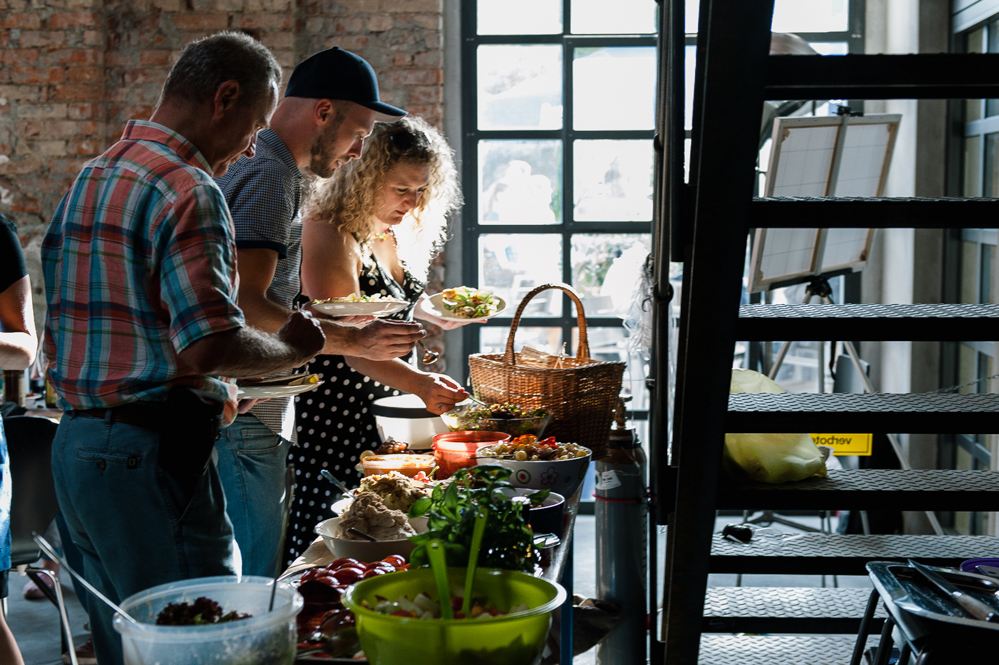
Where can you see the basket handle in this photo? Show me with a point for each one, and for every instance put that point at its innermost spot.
(509, 358)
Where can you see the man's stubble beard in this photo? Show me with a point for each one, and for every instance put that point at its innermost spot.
(322, 161)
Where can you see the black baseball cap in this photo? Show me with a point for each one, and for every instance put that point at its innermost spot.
(338, 74)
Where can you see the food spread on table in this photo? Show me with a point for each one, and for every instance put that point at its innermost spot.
(368, 514)
(528, 448)
(468, 303)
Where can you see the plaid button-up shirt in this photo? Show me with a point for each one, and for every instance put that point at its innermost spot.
(139, 262)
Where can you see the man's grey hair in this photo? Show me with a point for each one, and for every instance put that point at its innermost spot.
(207, 63)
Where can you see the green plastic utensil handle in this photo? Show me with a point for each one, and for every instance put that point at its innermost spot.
(473, 557)
(435, 552)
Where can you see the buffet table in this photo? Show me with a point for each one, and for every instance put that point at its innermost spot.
(558, 569)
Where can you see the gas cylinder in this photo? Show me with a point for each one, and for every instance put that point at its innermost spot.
(622, 543)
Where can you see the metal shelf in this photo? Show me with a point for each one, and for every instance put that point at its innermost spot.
(853, 76)
(872, 322)
(839, 554)
(870, 489)
(787, 610)
(914, 413)
(778, 649)
(881, 213)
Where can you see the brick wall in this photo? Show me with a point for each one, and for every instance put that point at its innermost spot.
(72, 72)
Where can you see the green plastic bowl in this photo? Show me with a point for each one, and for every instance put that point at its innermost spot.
(514, 639)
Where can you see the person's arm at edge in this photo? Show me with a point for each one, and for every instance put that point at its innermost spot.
(18, 341)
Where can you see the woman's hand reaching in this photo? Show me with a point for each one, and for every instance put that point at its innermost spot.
(440, 392)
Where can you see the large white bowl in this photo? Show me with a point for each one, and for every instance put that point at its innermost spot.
(563, 476)
(405, 418)
(365, 550)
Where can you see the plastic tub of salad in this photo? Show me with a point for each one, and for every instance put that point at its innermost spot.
(512, 419)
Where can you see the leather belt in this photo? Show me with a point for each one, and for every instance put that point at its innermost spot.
(150, 415)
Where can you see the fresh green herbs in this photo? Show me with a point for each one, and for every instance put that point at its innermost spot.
(507, 543)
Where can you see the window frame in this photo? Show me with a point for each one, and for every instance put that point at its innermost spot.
(567, 226)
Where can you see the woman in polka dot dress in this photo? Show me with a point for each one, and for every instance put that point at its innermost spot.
(371, 229)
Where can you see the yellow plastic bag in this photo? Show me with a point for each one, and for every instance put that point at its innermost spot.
(769, 458)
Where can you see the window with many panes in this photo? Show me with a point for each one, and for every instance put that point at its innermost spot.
(972, 277)
(558, 102)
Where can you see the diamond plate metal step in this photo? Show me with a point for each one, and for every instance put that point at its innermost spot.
(862, 213)
(787, 610)
(914, 413)
(869, 489)
(922, 76)
(778, 649)
(869, 322)
(839, 554)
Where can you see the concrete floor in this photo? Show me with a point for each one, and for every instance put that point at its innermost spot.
(36, 624)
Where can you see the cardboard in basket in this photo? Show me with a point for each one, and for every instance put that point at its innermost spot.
(581, 395)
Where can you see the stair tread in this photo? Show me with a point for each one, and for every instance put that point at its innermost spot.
(868, 412)
(785, 603)
(869, 321)
(855, 76)
(882, 212)
(840, 554)
(861, 489)
(778, 649)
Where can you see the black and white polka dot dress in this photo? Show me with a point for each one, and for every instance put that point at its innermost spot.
(335, 424)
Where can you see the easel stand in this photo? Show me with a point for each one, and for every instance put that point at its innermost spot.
(819, 287)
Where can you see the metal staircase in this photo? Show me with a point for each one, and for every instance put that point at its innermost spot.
(708, 221)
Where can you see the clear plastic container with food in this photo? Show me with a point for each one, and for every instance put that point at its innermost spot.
(407, 465)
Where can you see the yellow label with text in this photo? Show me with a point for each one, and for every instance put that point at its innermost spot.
(845, 444)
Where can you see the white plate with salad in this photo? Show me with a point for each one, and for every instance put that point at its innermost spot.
(354, 305)
(285, 387)
(464, 303)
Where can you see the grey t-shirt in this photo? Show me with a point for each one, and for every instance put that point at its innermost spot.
(265, 197)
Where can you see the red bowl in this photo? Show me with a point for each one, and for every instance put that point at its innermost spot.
(454, 450)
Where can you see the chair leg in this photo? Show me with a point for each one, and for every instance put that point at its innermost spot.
(63, 617)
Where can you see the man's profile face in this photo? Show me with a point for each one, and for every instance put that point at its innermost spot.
(239, 135)
(341, 139)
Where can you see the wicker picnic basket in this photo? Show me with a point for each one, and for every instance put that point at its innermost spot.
(580, 393)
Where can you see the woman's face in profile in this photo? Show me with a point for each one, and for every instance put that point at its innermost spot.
(404, 186)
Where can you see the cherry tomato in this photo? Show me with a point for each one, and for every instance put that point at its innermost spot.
(347, 575)
(394, 560)
(340, 563)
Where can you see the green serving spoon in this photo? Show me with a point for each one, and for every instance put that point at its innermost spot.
(435, 552)
(473, 557)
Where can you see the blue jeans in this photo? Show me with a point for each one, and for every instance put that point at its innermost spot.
(134, 523)
(252, 461)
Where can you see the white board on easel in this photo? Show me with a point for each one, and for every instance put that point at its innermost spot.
(843, 156)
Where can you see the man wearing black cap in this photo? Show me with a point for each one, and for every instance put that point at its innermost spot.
(330, 106)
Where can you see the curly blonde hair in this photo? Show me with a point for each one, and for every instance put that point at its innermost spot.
(350, 197)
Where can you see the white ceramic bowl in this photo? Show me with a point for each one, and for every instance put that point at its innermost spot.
(405, 418)
(365, 550)
(563, 476)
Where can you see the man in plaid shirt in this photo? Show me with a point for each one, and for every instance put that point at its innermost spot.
(139, 264)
